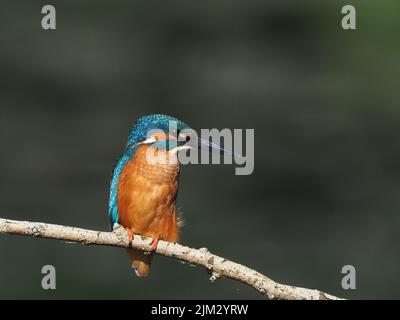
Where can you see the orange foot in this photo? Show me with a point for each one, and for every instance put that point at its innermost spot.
(154, 244)
(130, 236)
(117, 228)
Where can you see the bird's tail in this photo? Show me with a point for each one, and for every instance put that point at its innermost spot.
(140, 261)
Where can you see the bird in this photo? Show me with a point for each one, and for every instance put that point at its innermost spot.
(143, 193)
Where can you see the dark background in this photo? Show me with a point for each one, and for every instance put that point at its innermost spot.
(324, 103)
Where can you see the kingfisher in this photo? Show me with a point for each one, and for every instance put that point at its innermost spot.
(145, 182)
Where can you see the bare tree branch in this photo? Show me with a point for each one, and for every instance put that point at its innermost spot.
(217, 266)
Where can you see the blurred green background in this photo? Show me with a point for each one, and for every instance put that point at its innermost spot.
(324, 103)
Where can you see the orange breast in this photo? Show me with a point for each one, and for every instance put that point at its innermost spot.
(147, 197)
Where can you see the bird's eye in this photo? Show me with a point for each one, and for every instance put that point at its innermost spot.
(183, 136)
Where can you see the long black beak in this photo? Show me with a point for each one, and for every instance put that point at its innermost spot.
(207, 145)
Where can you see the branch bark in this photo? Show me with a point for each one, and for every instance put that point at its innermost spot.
(217, 266)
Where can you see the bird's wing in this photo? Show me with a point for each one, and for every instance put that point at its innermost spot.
(113, 203)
